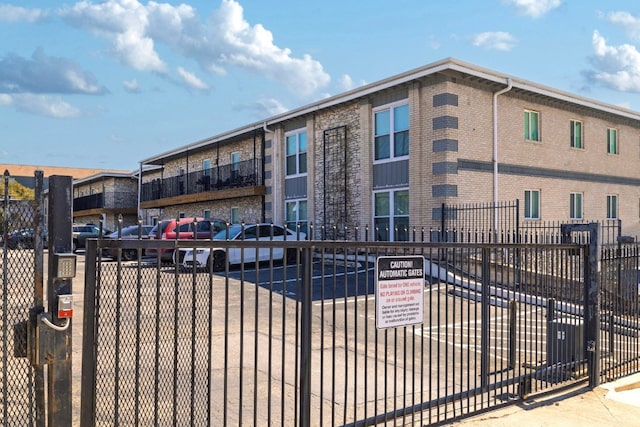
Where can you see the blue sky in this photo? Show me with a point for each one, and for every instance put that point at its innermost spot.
(105, 84)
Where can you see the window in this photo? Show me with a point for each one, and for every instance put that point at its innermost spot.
(206, 167)
(612, 141)
(296, 153)
(612, 206)
(576, 134)
(532, 204)
(235, 215)
(297, 215)
(531, 126)
(575, 205)
(181, 215)
(206, 214)
(391, 132)
(391, 215)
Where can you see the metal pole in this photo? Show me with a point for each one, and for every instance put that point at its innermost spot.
(89, 338)
(485, 315)
(38, 291)
(305, 339)
(59, 369)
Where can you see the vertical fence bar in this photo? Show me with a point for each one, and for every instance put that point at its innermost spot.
(305, 339)
(89, 338)
(485, 298)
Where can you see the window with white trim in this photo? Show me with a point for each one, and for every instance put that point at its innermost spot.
(296, 147)
(612, 141)
(206, 213)
(612, 206)
(576, 134)
(206, 167)
(234, 215)
(532, 204)
(296, 214)
(391, 215)
(391, 132)
(575, 206)
(531, 125)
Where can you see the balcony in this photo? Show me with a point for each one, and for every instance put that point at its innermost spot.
(228, 177)
(106, 201)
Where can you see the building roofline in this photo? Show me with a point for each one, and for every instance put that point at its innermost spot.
(448, 64)
(103, 175)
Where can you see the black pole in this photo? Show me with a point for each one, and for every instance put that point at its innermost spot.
(59, 369)
(305, 339)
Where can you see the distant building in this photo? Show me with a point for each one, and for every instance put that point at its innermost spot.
(24, 174)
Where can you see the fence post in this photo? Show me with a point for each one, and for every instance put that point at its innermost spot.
(305, 338)
(591, 300)
(89, 339)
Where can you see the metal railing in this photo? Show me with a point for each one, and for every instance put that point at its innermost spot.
(242, 174)
(294, 341)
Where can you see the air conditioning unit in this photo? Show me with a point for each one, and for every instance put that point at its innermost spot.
(565, 341)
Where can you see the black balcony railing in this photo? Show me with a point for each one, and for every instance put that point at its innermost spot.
(110, 199)
(241, 174)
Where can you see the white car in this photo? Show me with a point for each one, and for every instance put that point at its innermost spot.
(232, 256)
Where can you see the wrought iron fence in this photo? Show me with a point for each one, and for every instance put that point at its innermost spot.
(296, 341)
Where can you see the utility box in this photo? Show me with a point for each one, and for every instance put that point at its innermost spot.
(565, 340)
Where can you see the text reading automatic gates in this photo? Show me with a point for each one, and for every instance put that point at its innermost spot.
(399, 291)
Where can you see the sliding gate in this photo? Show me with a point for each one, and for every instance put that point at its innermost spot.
(295, 342)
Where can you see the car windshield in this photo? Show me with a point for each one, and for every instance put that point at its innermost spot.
(234, 231)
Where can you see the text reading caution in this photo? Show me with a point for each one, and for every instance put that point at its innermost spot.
(399, 291)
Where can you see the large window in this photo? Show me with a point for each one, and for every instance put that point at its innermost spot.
(297, 214)
(612, 206)
(531, 126)
(575, 205)
(612, 141)
(576, 134)
(296, 153)
(391, 132)
(391, 215)
(532, 204)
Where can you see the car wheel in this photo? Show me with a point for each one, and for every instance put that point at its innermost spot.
(219, 261)
(291, 256)
(129, 254)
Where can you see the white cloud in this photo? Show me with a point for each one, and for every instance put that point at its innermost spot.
(131, 86)
(192, 81)
(498, 40)
(627, 21)
(534, 8)
(617, 67)
(225, 40)
(45, 74)
(10, 13)
(43, 105)
(264, 107)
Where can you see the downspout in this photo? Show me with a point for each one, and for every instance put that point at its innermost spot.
(495, 152)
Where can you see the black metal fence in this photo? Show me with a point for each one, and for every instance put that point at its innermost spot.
(277, 342)
(21, 384)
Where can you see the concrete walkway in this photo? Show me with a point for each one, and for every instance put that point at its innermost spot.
(612, 404)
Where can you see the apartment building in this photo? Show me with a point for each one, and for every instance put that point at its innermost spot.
(105, 197)
(390, 153)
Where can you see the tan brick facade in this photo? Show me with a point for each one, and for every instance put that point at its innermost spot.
(451, 154)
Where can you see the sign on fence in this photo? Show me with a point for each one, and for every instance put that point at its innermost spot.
(399, 291)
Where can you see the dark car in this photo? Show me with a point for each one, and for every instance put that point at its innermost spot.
(20, 239)
(128, 233)
(83, 232)
(185, 228)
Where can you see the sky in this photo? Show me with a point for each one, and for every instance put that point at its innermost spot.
(106, 84)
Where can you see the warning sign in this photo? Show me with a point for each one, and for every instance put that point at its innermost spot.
(399, 291)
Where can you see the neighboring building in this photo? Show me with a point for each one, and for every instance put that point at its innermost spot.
(392, 152)
(24, 174)
(105, 197)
